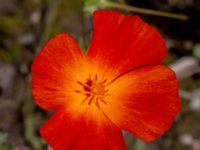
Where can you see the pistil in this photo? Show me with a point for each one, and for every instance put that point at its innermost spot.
(94, 90)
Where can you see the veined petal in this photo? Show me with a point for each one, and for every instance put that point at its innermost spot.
(144, 102)
(64, 132)
(52, 70)
(61, 130)
(124, 42)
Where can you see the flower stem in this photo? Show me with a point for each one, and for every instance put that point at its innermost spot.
(144, 11)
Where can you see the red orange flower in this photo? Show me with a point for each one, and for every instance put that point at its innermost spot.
(118, 84)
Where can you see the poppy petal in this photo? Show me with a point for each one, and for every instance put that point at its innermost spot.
(51, 70)
(144, 102)
(64, 132)
(124, 42)
(60, 130)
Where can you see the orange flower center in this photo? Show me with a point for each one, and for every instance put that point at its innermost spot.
(94, 90)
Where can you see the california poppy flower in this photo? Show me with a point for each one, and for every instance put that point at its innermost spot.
(118, 84)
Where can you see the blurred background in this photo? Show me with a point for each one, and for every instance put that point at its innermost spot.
(25, 25)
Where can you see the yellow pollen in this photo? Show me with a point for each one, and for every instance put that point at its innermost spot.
(94, 90)
(98, 89)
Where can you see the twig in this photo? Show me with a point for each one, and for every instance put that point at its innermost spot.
(144, 11)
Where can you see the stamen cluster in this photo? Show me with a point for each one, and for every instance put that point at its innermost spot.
(94, 90)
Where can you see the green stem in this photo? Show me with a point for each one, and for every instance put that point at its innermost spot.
(144, 11)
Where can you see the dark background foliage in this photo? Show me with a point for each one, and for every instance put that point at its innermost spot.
(25, 25)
